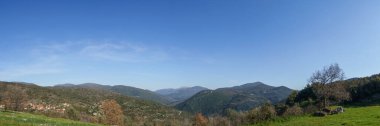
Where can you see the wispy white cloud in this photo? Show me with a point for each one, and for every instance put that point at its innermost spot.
(57, 57)
(114, 51)
(123, 52)
(46, 65)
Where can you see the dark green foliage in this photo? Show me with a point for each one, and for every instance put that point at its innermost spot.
(365, 88)
(291, 98)
(305, 94)
(281, 108)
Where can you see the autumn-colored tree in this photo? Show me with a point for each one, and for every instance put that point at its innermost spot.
(113, 113)
(325, 87)
(200, 120)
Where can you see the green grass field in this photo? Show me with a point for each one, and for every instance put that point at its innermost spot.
(353, 116)
(25, 119)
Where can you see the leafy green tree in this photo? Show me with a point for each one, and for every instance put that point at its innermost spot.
(305, 94)
(291, 98)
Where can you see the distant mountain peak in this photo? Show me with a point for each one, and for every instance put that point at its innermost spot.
(180, 94)
(254, 84)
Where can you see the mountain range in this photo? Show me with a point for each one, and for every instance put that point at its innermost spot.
(240, 98)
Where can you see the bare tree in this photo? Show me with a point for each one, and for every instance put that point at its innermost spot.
(14, 98)
(325, 86)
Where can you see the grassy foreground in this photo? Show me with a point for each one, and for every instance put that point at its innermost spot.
(353, 116)
(26, 119)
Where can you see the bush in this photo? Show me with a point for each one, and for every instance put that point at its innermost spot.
(281, 108)
(265, 112)
(236, 118)
(293, 111)
(72, 114)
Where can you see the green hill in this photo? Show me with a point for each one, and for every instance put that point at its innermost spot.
(241, 98)
(26, 119)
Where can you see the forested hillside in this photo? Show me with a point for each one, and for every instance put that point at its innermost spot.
(85, 104)
(240, 98)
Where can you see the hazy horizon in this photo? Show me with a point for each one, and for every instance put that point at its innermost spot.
(171, 44)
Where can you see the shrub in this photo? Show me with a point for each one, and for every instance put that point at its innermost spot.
(293, 111)
(310, 109)
(265, 112)
(236, 118)
(72, 114)
(280, 109)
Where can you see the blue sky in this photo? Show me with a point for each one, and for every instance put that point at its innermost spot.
(173, 43)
